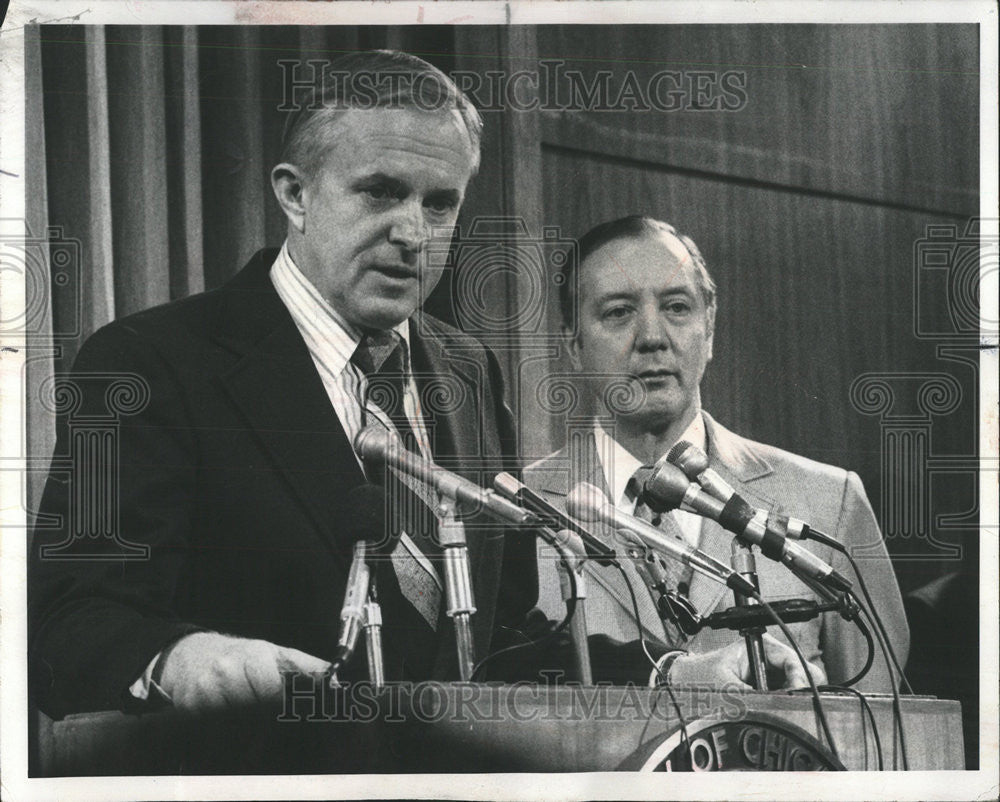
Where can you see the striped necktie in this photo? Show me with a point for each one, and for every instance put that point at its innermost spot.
(381, 356)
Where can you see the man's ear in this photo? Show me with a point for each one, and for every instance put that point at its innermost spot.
(710, 331)
(572, 342)
(288, 183)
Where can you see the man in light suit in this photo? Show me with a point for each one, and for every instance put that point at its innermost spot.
(645, 315)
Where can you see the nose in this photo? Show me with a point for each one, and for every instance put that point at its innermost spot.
(651, 329)
(409, 228)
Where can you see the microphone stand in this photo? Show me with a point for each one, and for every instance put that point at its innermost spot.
(745, 565)
(373, 639)
(458, 584)
(573, 563)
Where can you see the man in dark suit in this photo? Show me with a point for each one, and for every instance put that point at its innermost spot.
(236, 475)
(645, 320)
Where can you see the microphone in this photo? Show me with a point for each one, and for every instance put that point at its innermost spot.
(551, 517)
(376, 443)
(366, 523)
(588, 503)
(694, 462)
(667, 488)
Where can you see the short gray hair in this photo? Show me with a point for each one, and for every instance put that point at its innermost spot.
(365, 80)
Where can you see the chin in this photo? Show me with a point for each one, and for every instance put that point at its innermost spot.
(654, 416)
(385, 315)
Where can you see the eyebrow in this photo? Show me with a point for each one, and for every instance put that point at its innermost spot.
(397, 184)
(450, 195)
(379, 178)
(625, 295)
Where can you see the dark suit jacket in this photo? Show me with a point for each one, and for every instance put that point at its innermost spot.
(235, 475)
(829, 498)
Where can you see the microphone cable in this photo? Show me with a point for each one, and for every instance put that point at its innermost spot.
(685, 739)
(867, 710)
(547, 637)
(871, 650)
(897, 711)
(820, 713)
(888, 653)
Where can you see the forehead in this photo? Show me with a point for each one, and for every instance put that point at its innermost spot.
(657, 263)
(434, 144)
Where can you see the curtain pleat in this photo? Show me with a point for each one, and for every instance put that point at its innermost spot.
(99, 288)
(138, 151)
(78, 179)
(235, 177)
(183, 162)
(40, 362)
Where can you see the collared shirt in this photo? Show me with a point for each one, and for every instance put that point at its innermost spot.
(331, 341)
(619, 464)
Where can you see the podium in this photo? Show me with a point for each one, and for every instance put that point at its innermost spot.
(456, 728)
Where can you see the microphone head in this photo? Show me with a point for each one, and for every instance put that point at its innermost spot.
(506, 485)
(365, 519)
(372, 442)
(586, 503)
(665, 488)
(689, 458)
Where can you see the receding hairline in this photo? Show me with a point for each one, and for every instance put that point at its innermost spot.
(631, 228)
(647, 233)
(323, 139)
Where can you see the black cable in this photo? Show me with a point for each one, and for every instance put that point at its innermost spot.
(820, 714)
(885, 645)
(897, 711)
(876, 619)
(868, 710)
(545, 639)
(685, 740)
(871, 651)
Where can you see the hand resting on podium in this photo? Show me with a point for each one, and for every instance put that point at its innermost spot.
(209, 671)
(730, 666)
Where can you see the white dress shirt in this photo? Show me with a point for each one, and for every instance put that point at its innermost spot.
(619, 465)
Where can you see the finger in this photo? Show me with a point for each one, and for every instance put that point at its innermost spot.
(262, 676)
(782, 656)
(818, 674)
(293, 660)
(795, 676)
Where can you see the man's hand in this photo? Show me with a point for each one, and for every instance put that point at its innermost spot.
(209, 671)
(730, 666)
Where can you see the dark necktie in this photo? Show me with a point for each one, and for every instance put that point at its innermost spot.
(381, 356)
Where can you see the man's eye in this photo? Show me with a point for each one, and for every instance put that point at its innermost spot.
(440, 206)
(678, 307)
(616, 313)
(378, 192)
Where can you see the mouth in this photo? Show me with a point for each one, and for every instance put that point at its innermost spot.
(397, 272)
(656, 375)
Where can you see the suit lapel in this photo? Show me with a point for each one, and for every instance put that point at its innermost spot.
(277, 388)
(582, 464)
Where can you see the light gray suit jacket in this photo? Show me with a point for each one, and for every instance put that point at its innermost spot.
(828, 498)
